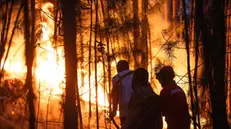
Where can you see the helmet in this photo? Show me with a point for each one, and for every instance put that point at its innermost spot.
(166, 72)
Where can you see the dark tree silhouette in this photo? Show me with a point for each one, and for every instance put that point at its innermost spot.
(95, 64)
(197, 26)
(136, 31)
(188, 62)
(144, 33)
(29, 38)
(69, 23)
(217, 52)
(214, 52)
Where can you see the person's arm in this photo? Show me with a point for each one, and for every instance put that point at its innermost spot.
(163, 103)
(114, 99)
(131, 101)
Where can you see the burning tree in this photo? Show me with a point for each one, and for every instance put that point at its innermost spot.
(72, 47)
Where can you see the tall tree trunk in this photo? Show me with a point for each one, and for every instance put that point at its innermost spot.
(214, 59)
(3, 31)
(69, 23)
(168, 10)
(197, 26)
(96, 58)
(6, 19)
(79, 31)
(206, 41)
(144, 37)
(56, 12)
(174, 9)
(136, 31)
(29, 38)
(217, 87)
(11, 37)
(89, 65)
(188, 63)
(106, 16)
(228, 56)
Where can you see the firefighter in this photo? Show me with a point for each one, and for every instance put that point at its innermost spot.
(173, 100)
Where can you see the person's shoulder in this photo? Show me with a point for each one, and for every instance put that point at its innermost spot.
(116, 77)
(179, 88)
(165, 91)
(125, 72)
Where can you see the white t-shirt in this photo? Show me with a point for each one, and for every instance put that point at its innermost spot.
(125, 91)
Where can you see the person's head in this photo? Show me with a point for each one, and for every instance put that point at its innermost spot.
(165, 75)
(122, 65)
(140, 78)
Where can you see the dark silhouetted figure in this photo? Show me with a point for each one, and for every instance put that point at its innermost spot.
(121, 91)
(144, 105)
(173, 100)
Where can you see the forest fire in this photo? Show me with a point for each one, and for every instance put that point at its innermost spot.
(51, 59)
(50, 71)
(106, 32)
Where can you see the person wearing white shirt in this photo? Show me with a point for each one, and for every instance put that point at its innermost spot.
(121, 91)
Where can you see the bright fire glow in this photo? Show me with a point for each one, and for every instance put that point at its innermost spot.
(49, 65)
(50, 70)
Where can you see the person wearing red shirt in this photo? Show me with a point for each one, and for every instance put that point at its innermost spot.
(173, 100)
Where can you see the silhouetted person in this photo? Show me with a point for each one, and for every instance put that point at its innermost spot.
(144, 105)
(174, 105)
(121, 91)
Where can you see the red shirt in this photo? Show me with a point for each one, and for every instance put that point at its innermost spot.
(174, 107)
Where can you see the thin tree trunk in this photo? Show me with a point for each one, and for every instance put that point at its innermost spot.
(89, 59)
(29, 38)
(168, 10)
(109, 70)
(8, 21)
(136, 30)
(11, 37)
(106, 16)
(3, 31)
(47, 108)
(104, 85)
(188, 63)
(197, 36)
(96, 58)
(69, 22)
(228, 66)
(79, 14)
(175, 9)
(56, 4)
(144, 37)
